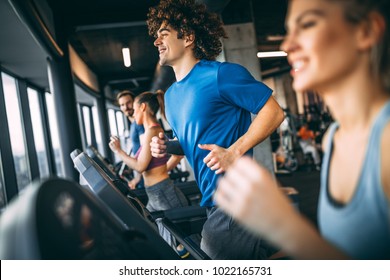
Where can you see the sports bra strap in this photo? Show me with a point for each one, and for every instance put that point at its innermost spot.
(155, 124)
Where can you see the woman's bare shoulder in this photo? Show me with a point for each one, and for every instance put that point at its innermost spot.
(153, 131)
(385, 153)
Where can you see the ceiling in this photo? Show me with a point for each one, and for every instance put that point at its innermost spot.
(99, 29)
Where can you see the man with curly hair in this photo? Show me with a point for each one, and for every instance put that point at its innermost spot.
(209, 109)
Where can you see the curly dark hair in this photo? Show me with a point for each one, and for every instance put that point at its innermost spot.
(189, 18)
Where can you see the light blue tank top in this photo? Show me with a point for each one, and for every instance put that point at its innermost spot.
(360, 228)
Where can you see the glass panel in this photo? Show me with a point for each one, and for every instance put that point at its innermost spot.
(54, 134)
(16, 131)
(121, 124)
(87, 124)
(98, 132)
(113, 129)
(2, 189)
(112, 121)
(37, 124)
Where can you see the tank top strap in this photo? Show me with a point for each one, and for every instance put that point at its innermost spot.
(380, 122)
(327, 155)
(373, 152)
(155, 125)
(332, 130)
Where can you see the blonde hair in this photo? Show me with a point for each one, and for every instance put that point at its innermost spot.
(357, 11)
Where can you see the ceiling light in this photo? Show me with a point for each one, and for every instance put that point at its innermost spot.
(275, 38)
(271, 54)
(126, 57)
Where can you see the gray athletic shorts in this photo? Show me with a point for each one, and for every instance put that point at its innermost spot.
(224, 239)
(164, 195)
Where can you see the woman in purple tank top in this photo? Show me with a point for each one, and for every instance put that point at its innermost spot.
(162, 194)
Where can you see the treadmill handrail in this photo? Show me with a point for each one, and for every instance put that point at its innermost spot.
(187, 242)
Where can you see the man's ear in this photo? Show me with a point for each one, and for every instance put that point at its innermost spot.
(371, 31)
(189, 39)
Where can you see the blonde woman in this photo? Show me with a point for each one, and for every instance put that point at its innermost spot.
(340, 49)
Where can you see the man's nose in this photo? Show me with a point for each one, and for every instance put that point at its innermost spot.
(157, 42)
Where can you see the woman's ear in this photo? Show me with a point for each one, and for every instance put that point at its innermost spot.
(142, 107)
(371, 31)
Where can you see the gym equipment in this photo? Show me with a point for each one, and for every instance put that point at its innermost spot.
(120, 202)
(58, 219)
(189, 188)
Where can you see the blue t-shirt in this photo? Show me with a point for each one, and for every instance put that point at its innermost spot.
(212, 105)
(135, 131)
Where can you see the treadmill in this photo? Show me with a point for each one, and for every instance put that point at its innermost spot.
(59, 219)
(180, 222)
